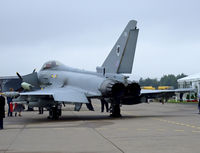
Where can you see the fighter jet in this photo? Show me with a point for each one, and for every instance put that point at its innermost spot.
(56, 84)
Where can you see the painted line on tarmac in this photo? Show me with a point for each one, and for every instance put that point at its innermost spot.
(107, 139)
(177, 123)
(169, 122)
(196, 131)
(179, 130)
(140, 129)
(161, 129)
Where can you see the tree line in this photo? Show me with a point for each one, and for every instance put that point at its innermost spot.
(166, 80)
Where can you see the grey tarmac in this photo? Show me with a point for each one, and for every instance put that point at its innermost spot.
(144, 128)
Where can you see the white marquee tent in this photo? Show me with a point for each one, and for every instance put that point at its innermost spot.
(191, 81)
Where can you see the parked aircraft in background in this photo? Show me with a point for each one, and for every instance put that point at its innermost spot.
(56, 84)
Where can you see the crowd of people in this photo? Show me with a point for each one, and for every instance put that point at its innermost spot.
(14, 109)
(2, 111)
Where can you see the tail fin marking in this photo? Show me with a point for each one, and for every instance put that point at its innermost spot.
(120, 59)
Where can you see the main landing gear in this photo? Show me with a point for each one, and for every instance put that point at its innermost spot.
(115, 110)
(55, 112)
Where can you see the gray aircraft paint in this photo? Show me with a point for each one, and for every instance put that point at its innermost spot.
(120, 59)
(56, 84)
(86, 82)
(71, 85)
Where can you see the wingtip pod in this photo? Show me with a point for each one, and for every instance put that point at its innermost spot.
(120, 59)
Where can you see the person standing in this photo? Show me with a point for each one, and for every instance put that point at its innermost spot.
(15, 109)
(2, 111)
(104, 103)
(89, 105)
(41, 110)
(18, 109)
(10, 106)
(199, 104)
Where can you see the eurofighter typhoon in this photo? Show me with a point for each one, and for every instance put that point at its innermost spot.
(56, 84)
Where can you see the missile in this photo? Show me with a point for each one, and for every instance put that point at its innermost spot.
(11, 94)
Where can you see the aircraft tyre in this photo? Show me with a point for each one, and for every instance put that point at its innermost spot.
(54, 113)
(115, 110)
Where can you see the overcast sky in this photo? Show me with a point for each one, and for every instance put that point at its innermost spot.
(81, 33)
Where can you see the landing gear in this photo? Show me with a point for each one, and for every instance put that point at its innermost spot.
(115, 110)
(55, 112)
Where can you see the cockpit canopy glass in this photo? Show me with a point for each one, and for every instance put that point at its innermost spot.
(50, 65)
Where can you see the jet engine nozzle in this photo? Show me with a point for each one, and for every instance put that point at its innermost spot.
(133, 89)
(132, 94)
(111, 88)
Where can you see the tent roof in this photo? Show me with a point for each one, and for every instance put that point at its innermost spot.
(193, 77)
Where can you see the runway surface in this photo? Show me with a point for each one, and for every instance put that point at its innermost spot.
(144, 128)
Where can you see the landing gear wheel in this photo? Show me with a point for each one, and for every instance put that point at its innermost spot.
(54, 113)
(115, 110)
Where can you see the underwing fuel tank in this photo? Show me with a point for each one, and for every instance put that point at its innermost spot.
(26, 86)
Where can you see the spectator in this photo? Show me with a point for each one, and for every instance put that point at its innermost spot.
(41, 110)
(10, 104)
(104, 103)
(18, 109)
(199, 104)
(2, 111)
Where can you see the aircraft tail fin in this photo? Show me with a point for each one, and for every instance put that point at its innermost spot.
(120, 59)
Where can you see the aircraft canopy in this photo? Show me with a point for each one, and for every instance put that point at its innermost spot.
(50, 65)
